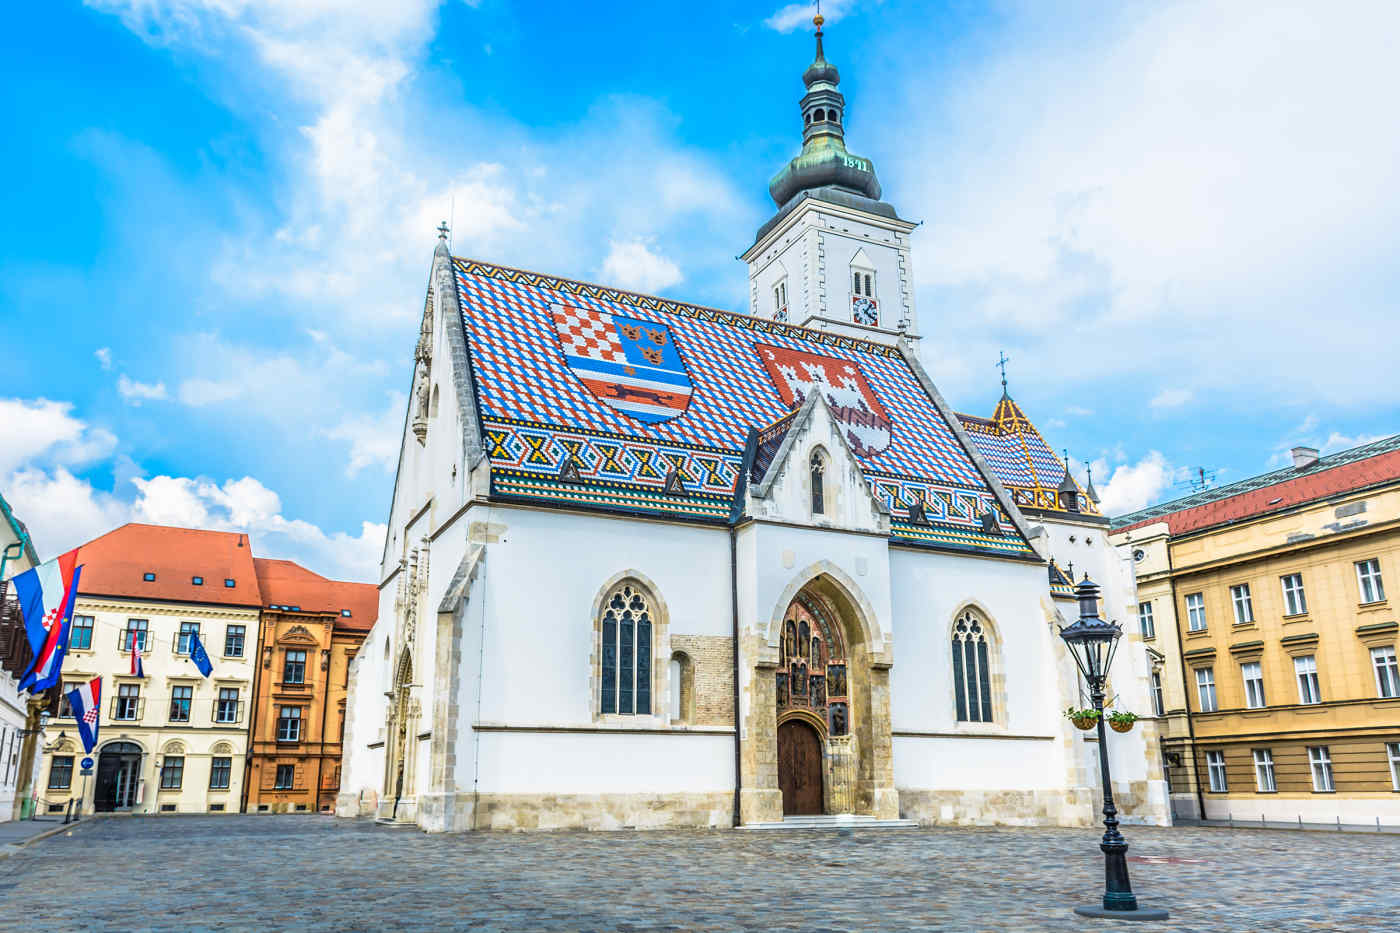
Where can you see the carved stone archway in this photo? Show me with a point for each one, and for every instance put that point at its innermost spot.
(822, 643)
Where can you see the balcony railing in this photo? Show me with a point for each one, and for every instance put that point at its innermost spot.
(142, 639)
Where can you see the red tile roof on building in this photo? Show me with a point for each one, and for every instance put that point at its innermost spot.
(1361, 467)
(118, 563)
(288, 585)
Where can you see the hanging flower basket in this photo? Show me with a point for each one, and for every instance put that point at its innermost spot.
(1122, 722)
(1085, 719)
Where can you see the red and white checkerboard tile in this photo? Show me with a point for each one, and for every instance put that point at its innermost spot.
(584, 332)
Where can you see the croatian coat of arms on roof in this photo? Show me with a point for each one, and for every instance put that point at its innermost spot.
(629, 364)
(795, 373)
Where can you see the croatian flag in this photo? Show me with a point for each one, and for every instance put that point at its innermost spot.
(46, 596)
(137, 668)
(199, 656)
(86, 700)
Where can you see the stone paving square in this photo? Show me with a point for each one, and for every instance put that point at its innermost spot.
(317, 873)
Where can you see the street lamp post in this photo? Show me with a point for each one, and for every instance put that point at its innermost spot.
(1092, 643)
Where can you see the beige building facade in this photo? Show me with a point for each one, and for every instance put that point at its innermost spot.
(1278, 636)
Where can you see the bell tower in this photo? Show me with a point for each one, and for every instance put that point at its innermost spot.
(834, 256)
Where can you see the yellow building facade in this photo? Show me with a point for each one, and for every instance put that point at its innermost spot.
(1278, 639)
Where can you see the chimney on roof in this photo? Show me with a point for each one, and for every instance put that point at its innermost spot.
(1303, 457)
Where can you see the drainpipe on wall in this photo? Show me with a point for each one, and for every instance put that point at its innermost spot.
(736, 512)
(1185, 686)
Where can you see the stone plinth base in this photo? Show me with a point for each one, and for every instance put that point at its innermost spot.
(1142, 913)
(712, 810)
(760, 805)
(1074, 807)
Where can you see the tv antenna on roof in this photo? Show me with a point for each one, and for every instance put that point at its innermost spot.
(1199, 481)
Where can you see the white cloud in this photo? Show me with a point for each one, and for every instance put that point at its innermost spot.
(374, 439)
(1078, 411)
(64, 510)
(633, 265)
(1134, 486)
(1205, 179)
(134, 393)
(104, 357)
(1170, 398)
(42, 431)
(799, 15)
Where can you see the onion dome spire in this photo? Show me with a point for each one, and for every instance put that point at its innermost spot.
(824, 160)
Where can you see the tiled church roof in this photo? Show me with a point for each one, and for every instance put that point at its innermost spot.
(647, 386)
(1024, 463)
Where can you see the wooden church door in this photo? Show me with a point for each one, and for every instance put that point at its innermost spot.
(800, 768)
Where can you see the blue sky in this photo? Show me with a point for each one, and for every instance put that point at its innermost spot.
(1178, 219)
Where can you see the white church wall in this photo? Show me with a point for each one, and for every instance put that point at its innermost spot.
(1134, 757)
(942, 776)
(543, 579)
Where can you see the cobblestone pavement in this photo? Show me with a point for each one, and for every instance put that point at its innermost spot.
(318, 873)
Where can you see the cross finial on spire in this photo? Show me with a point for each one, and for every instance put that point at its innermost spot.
(442, 231)
(1001, 364)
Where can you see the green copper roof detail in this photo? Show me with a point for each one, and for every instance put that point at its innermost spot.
(824, 160)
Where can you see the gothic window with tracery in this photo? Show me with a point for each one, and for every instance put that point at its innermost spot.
(626, 637)
(812, 669)
(972, 678)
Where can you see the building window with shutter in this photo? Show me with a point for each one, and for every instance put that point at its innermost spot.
(289, 724)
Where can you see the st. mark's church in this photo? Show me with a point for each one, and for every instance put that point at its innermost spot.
(655, 564)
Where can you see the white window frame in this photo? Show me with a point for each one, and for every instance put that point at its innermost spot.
(1295, 597)
(780, 300)
(1265, 781)
(1158, 703)
(1244, 605)
(1253, 685)
(865, 284)
(1215, 771)
(1368, 581)
(1195, 612)
(1309, 685)
(1392, 751)
(1383, 662)
(1146, 624)
(1205, 689)
(1320, 764)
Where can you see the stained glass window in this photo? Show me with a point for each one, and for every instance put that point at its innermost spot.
(972, 679)
(626, 656)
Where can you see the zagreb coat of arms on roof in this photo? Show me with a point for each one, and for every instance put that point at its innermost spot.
(795, 373)
(629, 364)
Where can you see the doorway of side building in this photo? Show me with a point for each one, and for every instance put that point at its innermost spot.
(800, 768)
(118, 777)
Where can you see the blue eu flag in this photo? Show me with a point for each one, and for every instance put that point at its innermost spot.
(199, 656)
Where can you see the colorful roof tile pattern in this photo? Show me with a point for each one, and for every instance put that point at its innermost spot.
(1021, 459)
(624, 388)
(1372, 464)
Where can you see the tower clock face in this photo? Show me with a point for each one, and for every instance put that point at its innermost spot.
(865, 311)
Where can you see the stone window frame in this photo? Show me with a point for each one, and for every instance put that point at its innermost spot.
(819, 463)
(687, 687)
(660, 653)
(995, 664)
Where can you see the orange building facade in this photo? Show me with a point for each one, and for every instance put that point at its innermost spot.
(310, 629)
